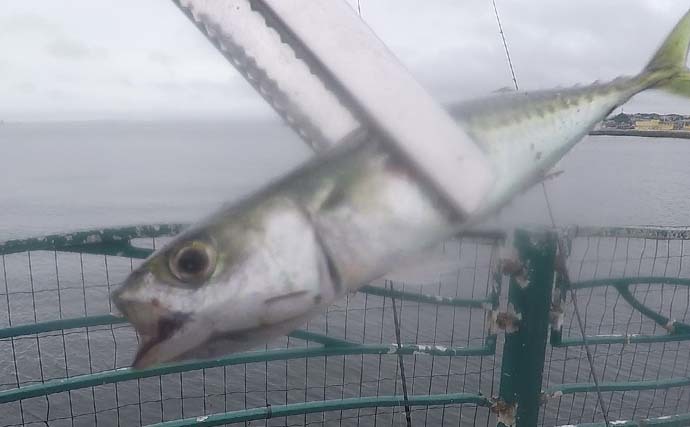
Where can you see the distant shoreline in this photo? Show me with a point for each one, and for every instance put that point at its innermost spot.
(644, 133)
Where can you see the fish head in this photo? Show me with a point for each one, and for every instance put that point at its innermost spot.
(168, 296)
(213, 291)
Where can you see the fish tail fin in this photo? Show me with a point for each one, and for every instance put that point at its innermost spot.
(668, 67)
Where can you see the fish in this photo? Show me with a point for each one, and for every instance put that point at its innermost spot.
(260, 267)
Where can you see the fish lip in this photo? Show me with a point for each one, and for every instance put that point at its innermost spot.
(153, 323)
(144, 348)
(116, 298)
(144, 316)
(166, 328)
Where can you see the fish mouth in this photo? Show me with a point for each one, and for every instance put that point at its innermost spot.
(143, 315)
(170, 334)
(155, 326)
(149, 349)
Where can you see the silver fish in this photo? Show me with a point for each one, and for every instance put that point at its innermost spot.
(260, 268)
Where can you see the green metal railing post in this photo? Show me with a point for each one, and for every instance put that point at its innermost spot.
(529, 297)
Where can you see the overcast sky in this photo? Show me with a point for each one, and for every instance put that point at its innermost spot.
(142, 59)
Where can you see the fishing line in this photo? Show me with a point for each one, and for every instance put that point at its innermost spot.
(400, 358)
(396, 322)
(561, 267)
(505, 45)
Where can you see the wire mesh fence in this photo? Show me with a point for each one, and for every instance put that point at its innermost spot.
(43, 286)
(599, 255)
(631, 286)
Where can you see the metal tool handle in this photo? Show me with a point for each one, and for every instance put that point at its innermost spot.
(323, 69)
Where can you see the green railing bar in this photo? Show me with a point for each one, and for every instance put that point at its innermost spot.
(62, 324)
(119, 249)
(679, 332)
(678, 420)
(319, 338)
(618, 386)
(109, 319)
(659, 319)
(97, 240)
(627, 281)
(653, 233)
(62, 242)
(277, 411)
(621, 339)
(428, 299)
(125, 374)
(433, 350)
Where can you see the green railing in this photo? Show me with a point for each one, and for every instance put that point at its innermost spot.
(635, 318)
(473, 356)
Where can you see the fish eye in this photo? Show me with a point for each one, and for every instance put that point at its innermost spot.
(193, 263)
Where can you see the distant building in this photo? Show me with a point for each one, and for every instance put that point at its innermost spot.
(653, 124)
(647, 122)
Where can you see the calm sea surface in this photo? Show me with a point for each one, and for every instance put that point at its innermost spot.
(69, 176)
(58, 177)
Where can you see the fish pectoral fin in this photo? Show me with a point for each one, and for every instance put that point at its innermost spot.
(288, 306)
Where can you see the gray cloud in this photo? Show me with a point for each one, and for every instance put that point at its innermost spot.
(70, 49)
(89, 59)
(27, 23)
(25, 87)
(162, 58)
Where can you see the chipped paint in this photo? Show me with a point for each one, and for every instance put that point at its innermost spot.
(556, 317)
(511, 266)
(508, 321)
(514, 268)
(546, 396)
(522, 281)
(505, 413)
(670, 326)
